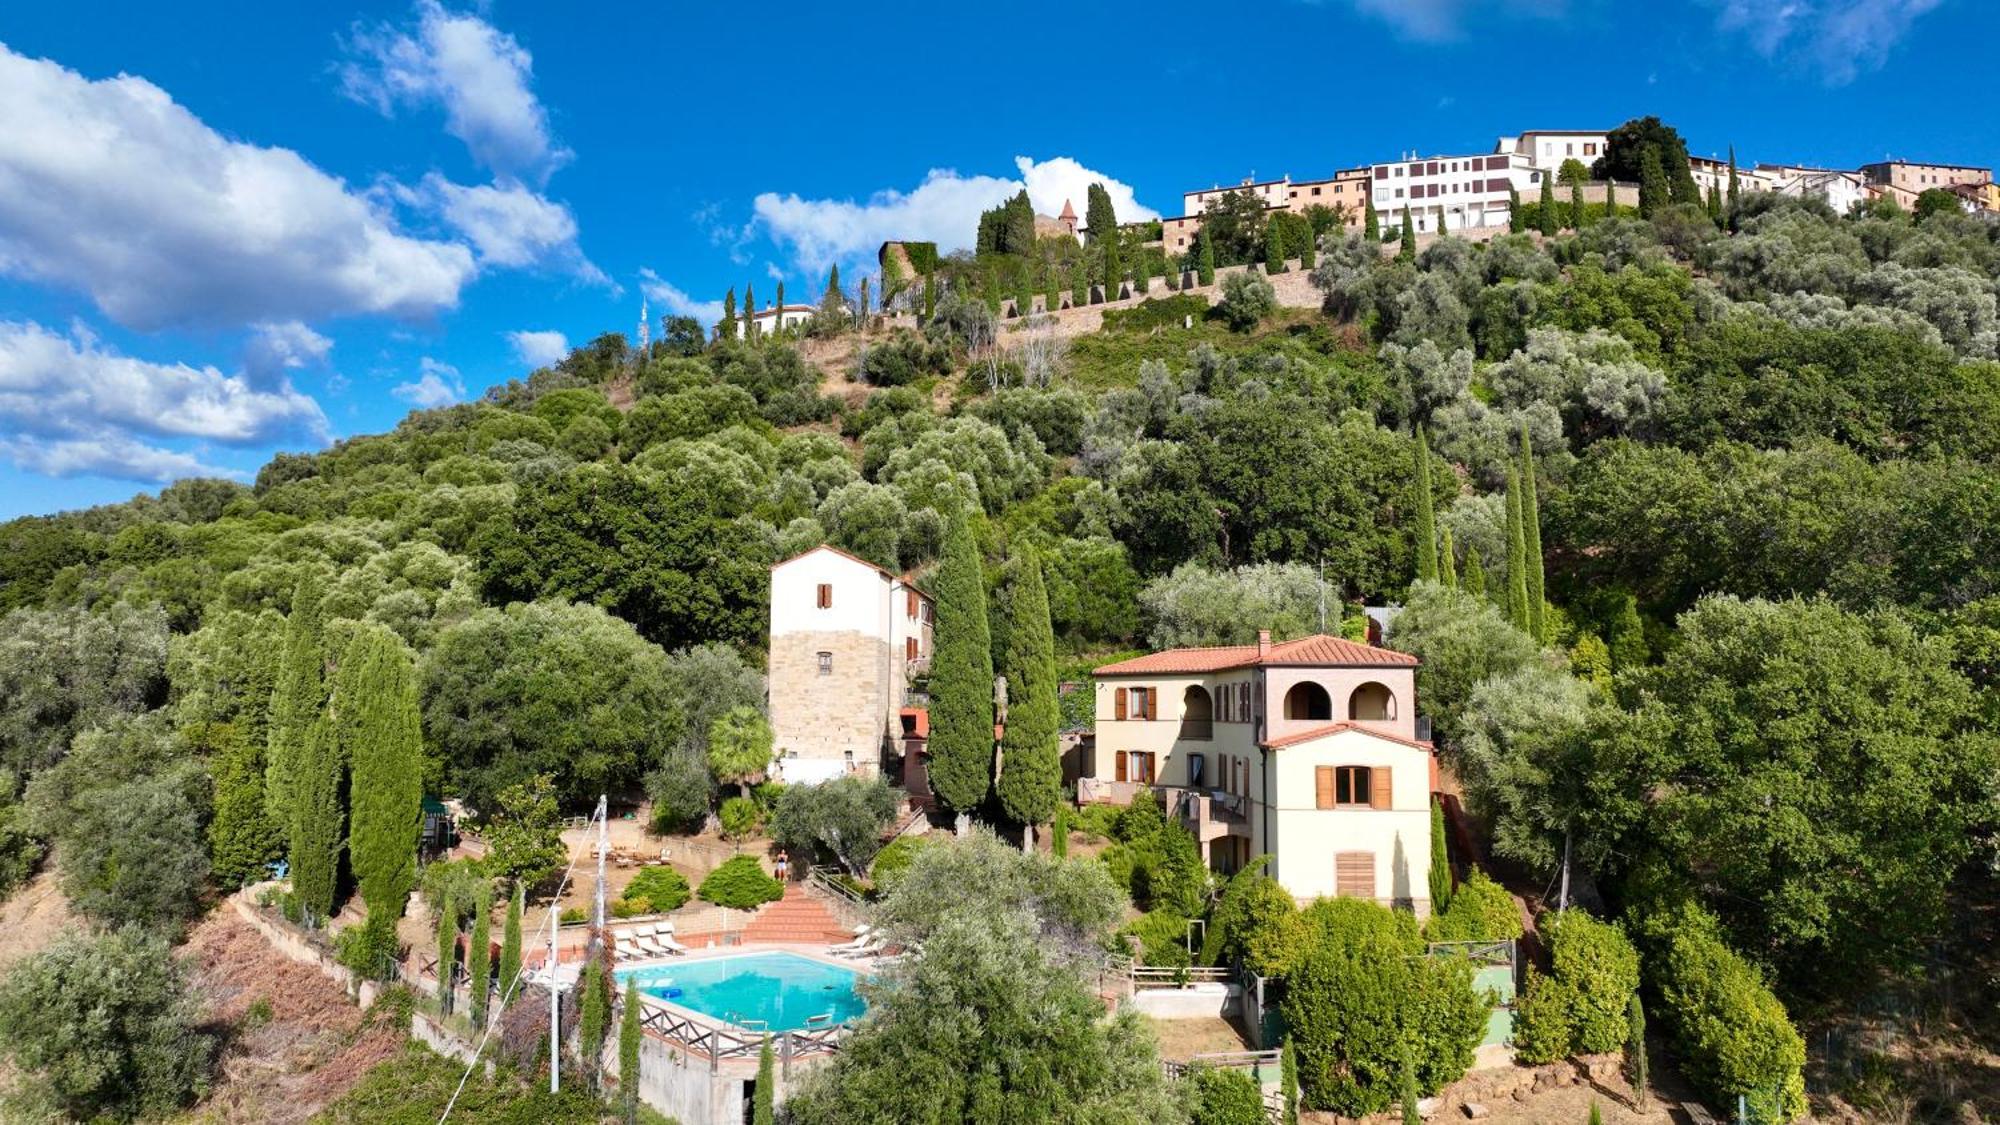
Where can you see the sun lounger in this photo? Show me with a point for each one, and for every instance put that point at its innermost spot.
(663, 937)
(868, 948)
(862, 934)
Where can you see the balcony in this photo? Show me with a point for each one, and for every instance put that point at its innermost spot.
(1208, 814)
(918, 669)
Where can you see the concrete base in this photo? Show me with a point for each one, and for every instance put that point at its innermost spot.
(1206, 1000)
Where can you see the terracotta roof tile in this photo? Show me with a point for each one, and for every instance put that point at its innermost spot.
(1315, 651)
(1336, 728)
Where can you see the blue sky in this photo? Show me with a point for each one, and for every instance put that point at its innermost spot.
(229, 229)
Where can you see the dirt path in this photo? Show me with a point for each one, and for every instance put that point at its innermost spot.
(33, 916)
(296, 1042)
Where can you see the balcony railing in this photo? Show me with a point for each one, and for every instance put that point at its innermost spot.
(919, 668)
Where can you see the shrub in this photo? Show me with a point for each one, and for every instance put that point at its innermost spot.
(1162, 938)
(656, 890)
(1601, 968)
(1246, 299)
(740, 817)
(1543, 1030)
(1157, 312)
(740, 884)
(1480, 910)
(1222, 1096)
(103, 1027)
(1361, 1008)
(1732, 1034)
(895, 858)
(456, 881)
(1096, 822)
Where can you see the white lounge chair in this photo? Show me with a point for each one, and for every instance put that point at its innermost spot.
(861, 935)
(663, 938)
(874, 944)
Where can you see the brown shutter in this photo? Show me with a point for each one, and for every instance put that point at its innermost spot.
(825, 596)
(1152, 700)
(909, 648)
(910, 597)
(1354, 874)
(1121, 754)
(1118, 712)
(1378, 787)
(1323, 784)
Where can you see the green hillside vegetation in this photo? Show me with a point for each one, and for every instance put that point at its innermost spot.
(1757, 682)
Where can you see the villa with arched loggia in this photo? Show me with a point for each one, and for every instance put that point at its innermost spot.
(1308, 750)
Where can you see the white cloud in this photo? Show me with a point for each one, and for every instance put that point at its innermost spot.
(508, 225)
(274, 350)
(539, 349)
(944, 209)
(111, 456)
(1837, 39)
(112, 188)
(478, 73)
(71, 405)
(671, 298)
(438, 384)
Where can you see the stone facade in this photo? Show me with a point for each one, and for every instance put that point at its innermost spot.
(828, 719)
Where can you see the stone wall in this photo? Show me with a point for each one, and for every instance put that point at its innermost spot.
(1521, 1083)
(825, 718)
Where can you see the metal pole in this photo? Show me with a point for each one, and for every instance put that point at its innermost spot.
(555, 1005)
(1562, 899)
(603, 848)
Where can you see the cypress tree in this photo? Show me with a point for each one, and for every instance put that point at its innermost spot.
(1114, 270)
(1546, 219)
(1635, 1049)
(1079, 286)
(381, 739)
(1100, 220)
(961, 746)
(1517, 221)
(1447, 560)
(242, 840)
(1715, 203)
(298, 697)
(1024, 295)
(1409, 1086)
(1734, 189)
(1531, 539)
(593, 1018)
(1577, 211)
(1407, 251)
(447, 951)
(510, 943)
(765, 1110)
(628, 1047)
(1059, 832)
(1371, 224)
(861, 317)
(1052, 297)
(832, 294)
(1274, 249)
(478, 959)
(316, 823)
(1654, 190)
(930, 297)
(749, 310)
(1628, 636)
(780, 318)
(1205, 264)
(1427, 553)
(1030, 782)
(726, 327)
(1516, 592)
(1308, 253)
(1440, 862)
(1475, 573)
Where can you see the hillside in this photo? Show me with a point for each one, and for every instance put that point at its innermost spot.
(1730, 486)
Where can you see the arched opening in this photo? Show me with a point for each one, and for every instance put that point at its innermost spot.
(1197, 714)
(1372, 702)
(1308, 701)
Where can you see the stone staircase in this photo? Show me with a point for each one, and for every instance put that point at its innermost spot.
(799, 918)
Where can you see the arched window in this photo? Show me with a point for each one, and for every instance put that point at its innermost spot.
(1308, 701)
(1197, 714)
(1372, 702)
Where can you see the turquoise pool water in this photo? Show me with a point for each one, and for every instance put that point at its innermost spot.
(765, 991)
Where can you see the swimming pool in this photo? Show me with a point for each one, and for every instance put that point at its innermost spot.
(764, 991)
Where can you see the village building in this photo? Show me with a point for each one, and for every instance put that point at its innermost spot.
(1709, 172)
(1548, 148)
(772, 319)
(1309, 751)
(1453, 192)
(1905, 180)
(1840, 190)
(847, 638)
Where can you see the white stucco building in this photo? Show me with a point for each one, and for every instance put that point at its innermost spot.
(1548, 148)
(1453, 192)
(846, 638)
(1306, 750)
(1840, 190)
(774, 319)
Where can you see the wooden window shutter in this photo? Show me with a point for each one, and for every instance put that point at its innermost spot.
(910, 597)
(1118, 712)
(909, 648)
(1378, 787)
(825, 595)
(1323, 784)
(1354, 874)
(1121, 753)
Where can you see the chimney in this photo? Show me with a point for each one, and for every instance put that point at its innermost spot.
(1263, 643)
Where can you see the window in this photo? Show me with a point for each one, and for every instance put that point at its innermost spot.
(1197, 714)
(1133, 703)
(1354, 874)
(910, 601)
(826, 664)
(1351, 787)
(909, 648)
(1135, 766)
(1372, 702)
(1315, 191)
(1590, 148)
(1308, 701)
(825, 595)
